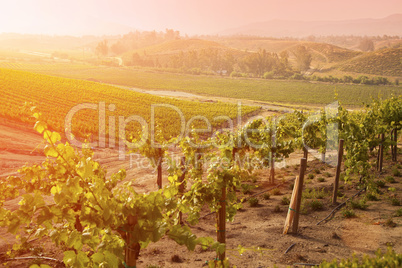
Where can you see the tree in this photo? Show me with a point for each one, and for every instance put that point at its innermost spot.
(118, 48)
(102, 48)
(260, 62)
(303, 58)
(137, 60)
(284, 58)
(366, 44)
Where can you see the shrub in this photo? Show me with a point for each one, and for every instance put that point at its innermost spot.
(297, 76)
(396, 172)
(285, 200)
(398, 213)
(310, 176)
(390, 179)
(266, 196)
(317, 171)
(348, 79)
(321, 179)
(371, 197)
(389, 259)
(348, 213)
(359, 204)
(253, 202)
(327, 174)
(316, 205)
(380, 183)
(277, 209)
(235, 74)
(176, 258)
(307, 193)
(276, 191)
(390, 223)
(395, 201)
(320, 194)
(340, 194)
(268, 75)
(247, 188)
(392, 189)
(314, 194)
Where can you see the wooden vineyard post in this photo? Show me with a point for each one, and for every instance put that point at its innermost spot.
(381, 152)
(132, 249)
(305, 153)
(303, 164)
(181, 187)
(338, 171)
(221, 216)
(272, 171)
(221, 222)
(394, 147)
(198, 157)
(292, 204)
(159, 179)
(396, 144)
(378, 156)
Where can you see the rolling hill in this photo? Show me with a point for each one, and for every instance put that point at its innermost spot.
(380, 62)
(163, 52)
(321, 52)
(176, 46)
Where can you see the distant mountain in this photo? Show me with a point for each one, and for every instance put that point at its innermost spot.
(391, 25)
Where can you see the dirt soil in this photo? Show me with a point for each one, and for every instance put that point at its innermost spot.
(259, 226)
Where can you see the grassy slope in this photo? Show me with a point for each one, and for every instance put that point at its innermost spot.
(163, 52)
(381, 62)
(332, 53)
(325, 52)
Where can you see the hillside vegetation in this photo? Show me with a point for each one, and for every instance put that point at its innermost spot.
(55, 97)
(188, 53)
(176, 46)
(381, 62)
(328, 52)
(332, 53)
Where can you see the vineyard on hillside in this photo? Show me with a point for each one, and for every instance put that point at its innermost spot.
(97, 221)
(54, 97)
(381, 62)
(272, 91)
(332, 53)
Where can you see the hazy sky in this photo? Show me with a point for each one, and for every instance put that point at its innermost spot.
(188, 16)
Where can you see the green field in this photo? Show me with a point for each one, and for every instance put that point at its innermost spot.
(272, 91)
